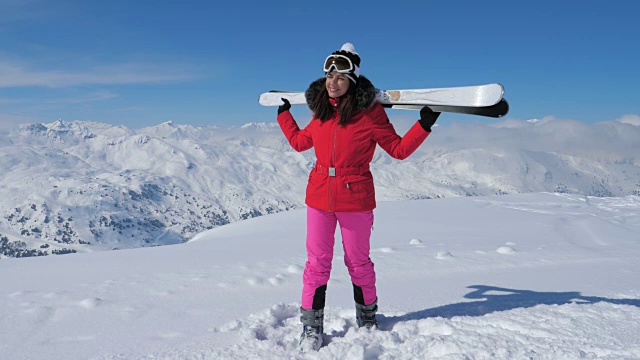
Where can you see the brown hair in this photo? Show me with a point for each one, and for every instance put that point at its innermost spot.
(324, 110)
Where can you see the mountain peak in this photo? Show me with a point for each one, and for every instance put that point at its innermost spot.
(260, 126)
(58, 125)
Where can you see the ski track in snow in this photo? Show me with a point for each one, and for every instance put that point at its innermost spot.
(502, 292)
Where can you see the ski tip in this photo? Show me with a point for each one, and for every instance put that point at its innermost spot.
(505, 104)
(500, 109)
(264, 100)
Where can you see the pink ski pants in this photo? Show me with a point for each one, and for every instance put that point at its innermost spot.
(355, 228)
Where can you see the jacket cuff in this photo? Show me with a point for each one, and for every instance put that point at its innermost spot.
(425, 125)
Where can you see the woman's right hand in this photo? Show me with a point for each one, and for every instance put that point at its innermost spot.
(284, 107)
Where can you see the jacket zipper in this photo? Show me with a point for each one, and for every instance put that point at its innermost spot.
(333, 162)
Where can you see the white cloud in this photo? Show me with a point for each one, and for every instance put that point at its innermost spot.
(97, 96)
(8, 101)
(550, 134)
(17, 75)
(10, 122)
(23, 104)
(630, 119)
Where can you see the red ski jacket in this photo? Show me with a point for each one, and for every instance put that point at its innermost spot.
(341, 179)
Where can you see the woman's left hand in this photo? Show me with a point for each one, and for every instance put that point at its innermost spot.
(428, 117)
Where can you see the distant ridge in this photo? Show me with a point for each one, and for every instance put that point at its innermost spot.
(86, 186)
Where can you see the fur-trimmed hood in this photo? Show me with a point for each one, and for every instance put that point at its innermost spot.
(365, 92)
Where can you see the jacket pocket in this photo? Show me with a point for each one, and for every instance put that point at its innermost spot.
(357, 193)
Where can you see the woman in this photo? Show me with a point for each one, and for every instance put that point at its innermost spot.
(347, 125)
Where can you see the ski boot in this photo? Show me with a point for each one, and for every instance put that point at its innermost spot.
(366, 315)
(311, 337)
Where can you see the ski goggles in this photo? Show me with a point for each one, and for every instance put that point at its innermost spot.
(340, 63)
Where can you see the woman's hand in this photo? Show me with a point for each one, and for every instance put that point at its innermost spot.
(284, 107)
(428, 117)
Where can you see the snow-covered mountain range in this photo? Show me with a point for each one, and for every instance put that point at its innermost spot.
(84, 186)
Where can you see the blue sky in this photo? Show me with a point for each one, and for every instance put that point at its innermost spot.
(140, 63)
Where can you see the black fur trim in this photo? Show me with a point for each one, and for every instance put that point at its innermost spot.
(365, 92)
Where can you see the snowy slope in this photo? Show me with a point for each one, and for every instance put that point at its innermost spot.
(528, 276)
(84, 186)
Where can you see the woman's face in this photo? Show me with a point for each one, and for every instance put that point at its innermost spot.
(337, 84)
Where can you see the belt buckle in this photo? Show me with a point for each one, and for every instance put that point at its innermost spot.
(332, 171)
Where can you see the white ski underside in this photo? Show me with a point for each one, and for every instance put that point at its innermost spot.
(476, 96)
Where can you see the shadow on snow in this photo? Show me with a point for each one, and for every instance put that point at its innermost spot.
(492, 299)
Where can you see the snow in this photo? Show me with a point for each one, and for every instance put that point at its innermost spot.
(529, 275)
(523, 276)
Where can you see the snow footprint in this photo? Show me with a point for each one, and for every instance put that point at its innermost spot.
(295, 269)
(280, 279)
(20, 294)
(255, 281)
(90, 303)
(170, 335)
(276, 280)
(506, 250)
(444, 255)
(265, 324)
(385, 250)
(55, 295)
(106, 285)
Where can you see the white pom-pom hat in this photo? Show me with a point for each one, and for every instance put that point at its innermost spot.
(349, 47)
(347, 51)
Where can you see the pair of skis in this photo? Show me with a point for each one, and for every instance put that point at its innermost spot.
(481, 100)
